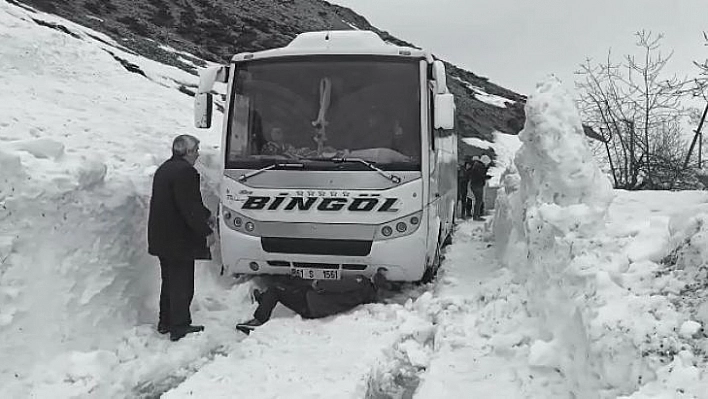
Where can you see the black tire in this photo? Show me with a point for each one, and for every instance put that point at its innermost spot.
(448, 240)
(432, 271)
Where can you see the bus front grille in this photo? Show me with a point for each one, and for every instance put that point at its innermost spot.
(314, 246)
(346, 266)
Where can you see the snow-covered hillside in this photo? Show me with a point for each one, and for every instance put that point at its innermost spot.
(574, 291)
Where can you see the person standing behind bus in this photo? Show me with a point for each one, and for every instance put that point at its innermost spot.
(477, 179)
(179, 231)
(487, 161)
(462, 185)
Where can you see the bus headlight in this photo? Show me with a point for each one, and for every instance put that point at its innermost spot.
(400, 227)
(249, 226)
(238, 222)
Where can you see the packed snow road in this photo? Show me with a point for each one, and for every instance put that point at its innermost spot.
(464, 334)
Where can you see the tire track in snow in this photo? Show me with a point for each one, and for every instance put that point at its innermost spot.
(157, 385)
(332, 357)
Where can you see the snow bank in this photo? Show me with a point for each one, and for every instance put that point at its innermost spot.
(79, 140)
(505, 147)
(617, 289)
(559, 198)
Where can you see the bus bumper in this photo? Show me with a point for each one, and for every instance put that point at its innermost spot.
(403, 257)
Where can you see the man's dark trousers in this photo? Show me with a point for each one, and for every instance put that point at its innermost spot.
(176, 291)
(478, 192)
(467, 210)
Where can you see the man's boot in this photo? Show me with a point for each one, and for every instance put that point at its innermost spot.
(249, 326)
(178, 333)
(163, 328)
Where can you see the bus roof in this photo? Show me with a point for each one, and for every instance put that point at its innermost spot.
(336, 42)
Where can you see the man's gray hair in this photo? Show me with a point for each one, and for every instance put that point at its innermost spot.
(184, 143)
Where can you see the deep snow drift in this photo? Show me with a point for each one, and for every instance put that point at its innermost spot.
(79, 139)
(574, 291)
(610, 310)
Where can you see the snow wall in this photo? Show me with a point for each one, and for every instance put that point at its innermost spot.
(83, 239)
(554, 197)
(80, 139)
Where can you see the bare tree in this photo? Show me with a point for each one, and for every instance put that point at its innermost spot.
(638, 112)
(702, 80)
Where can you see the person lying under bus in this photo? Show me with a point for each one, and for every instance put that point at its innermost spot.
(313, 299)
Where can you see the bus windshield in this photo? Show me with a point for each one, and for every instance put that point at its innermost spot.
(315, 108)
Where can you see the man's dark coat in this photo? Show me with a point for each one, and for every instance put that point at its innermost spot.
(477, 175)
(178, 222)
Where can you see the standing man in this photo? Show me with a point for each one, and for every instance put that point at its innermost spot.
(179, 231)
(487, 161)
(462, 187)
(477, 179)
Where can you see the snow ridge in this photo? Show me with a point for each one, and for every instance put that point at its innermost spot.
(614, 277)
(558, 198)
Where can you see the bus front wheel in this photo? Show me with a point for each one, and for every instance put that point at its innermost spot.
(432, 270)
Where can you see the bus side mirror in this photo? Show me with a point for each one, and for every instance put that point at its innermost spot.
(440, 77)
(444, 111)
(203, 109)
(203, 99)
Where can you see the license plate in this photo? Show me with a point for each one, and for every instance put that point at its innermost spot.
(315, 274)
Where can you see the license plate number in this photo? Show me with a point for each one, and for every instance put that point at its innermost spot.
(315, 274)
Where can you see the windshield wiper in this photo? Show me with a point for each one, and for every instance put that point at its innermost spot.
(247, 176)
(394, 178)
